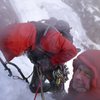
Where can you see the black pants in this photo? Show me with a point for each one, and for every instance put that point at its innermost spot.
(51, 86)
(35, 82)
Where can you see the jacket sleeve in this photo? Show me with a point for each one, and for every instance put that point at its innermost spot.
(18, 38)
(67, 52)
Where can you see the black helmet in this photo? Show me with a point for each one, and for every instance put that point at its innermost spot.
(64, 28)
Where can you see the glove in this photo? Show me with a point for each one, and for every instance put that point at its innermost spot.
(45, 65)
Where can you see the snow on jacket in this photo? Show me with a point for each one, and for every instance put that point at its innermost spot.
(91, 58)
(17, 38)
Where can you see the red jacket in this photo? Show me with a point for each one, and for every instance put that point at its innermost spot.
(19, 37)
(90, 58)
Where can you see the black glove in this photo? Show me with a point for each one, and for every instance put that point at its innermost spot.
(45, 65)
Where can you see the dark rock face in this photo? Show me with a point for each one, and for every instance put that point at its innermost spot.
(7, 14)
(89, 13)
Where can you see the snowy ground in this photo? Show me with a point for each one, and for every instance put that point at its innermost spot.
(29, 10)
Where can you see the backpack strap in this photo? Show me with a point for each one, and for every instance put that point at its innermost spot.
(41, 29)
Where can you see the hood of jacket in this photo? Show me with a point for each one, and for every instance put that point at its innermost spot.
(91, 58)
